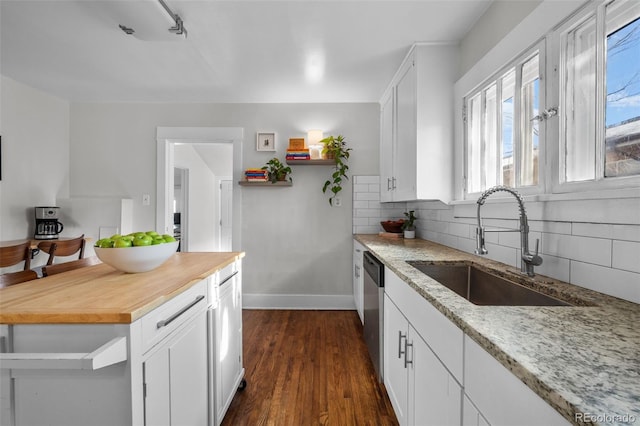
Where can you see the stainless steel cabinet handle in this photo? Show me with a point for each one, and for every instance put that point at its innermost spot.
(393, 183)
(406, 353)
(400, 337)
(165, 322)
(228, 278)
(357, 271)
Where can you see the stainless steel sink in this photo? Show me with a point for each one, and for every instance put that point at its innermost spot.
(482, 288)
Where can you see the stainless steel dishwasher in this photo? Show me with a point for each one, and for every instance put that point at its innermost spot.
(373, 310)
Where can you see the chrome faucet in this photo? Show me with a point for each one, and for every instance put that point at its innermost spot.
(527, 260)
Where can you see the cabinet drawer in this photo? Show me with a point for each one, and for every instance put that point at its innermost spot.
(443, 337)
(220, 279)
(160, 322)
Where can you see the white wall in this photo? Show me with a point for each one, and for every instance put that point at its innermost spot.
(35, 156)
(493, 25)
(296, 244)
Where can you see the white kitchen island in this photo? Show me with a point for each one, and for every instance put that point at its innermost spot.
(96, 346)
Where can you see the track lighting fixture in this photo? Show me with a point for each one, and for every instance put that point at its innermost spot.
(147, 26)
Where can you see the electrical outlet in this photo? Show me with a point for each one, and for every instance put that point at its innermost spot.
(337, 202)
(146, 199)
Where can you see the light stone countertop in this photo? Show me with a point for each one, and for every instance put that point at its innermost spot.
(583, 359)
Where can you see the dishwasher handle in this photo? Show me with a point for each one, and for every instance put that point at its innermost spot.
(374, 268)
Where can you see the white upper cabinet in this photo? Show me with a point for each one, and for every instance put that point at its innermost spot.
(416, 126)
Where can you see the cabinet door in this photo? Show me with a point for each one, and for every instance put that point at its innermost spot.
(175, 378)
(500, 396)
(404, 157)
(434, 395)
(358, 279)
(229, 344)
(386, 147)
(470, 414)
(395, 369)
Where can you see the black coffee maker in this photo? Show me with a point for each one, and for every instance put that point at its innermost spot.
(47, 225)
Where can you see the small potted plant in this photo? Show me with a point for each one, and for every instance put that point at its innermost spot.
(335, 149)
(277, 171)
(408, 227)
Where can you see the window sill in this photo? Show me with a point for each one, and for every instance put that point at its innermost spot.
(567, 196)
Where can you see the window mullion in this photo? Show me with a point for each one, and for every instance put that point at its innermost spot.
(601, 93)
(483, 141)
(517, 125)
(499, 132)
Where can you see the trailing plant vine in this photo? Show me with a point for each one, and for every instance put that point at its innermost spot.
(335, 148)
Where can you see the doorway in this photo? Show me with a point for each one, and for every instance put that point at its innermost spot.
(181, 207)
(167, 140)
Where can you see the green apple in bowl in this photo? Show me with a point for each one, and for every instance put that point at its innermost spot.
(136, 252)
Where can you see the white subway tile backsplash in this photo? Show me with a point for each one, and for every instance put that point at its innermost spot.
(626, 256)
(367, 213)
(550, 227)
(556, 267)
(467, 245)
(360, 187)
(503, 254)
(459, 229)
(626, 232)
(597, 230)
(614, 282)
(366, 179)
(368, 196)
(361, 221)
(584, 249)
(602, 256)
(362, 204)
(449, 240)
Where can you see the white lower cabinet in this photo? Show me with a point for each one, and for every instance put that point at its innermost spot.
(420, 388)
(471, 416)
(396, 376)
(227, 359)
(437, 394)
(358, 279)
(500, 397)
(175, 388)
(425, 355)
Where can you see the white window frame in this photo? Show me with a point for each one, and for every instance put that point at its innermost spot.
(549, 182)
(540, 48)
(557, 69)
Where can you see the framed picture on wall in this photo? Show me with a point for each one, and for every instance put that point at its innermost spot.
(266, 141)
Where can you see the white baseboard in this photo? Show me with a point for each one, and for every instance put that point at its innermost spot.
(298, 301)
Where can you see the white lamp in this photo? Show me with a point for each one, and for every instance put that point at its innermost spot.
(315, 147)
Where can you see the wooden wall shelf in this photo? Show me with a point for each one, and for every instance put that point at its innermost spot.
(265, 184)
(311, 162)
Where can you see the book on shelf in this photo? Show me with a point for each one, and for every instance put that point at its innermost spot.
(298, 154)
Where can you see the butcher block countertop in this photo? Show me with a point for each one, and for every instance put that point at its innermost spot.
(580, 359)
(100, 294)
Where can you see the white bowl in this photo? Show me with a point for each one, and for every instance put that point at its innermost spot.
(137, 259)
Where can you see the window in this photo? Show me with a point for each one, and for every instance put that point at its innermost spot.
(600, 127)
(503, 136)
(578, 129)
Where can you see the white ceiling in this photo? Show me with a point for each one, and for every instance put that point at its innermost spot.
(236, 51)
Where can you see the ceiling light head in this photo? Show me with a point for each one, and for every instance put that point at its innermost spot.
(126, 30)
(314, 68)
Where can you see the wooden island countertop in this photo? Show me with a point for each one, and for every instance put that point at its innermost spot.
(100, 294)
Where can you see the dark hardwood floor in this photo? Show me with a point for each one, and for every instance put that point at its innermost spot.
(307, 368)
